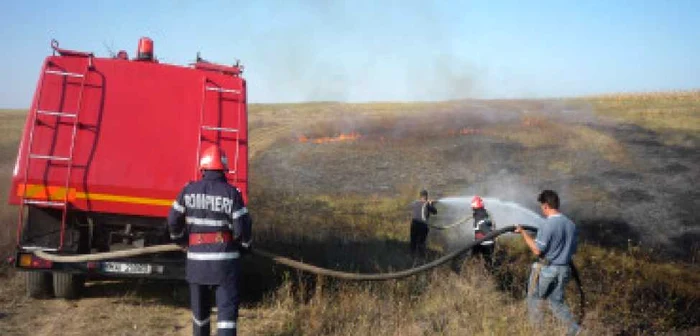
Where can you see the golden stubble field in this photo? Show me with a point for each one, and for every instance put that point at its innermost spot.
(330, 184)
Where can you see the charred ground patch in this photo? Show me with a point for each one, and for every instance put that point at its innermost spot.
(604, 168)
(611, 233)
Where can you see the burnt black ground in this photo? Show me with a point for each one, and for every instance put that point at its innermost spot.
(658, 199)
(648, 197)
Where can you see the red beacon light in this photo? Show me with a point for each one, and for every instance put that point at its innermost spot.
(122, 55)
(145, 49)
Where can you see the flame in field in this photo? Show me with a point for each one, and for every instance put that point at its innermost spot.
(533, 122)
(354, 136)
(465, 131)
(340, 138)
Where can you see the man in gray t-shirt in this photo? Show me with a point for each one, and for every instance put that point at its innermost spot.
(555, 244)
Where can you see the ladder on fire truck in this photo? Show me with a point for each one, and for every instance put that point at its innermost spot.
(222, 93)
(61, 117)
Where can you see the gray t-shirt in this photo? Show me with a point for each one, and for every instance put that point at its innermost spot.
(556, 239)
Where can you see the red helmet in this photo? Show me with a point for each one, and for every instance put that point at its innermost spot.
(213, 159)
(477, 203)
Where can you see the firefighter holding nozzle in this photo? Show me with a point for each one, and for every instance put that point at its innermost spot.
(482, 224)
(421, 210)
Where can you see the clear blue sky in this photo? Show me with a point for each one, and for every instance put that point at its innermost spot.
(363, 51)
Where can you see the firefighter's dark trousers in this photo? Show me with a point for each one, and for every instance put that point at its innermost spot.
(486, 253)
(483, 251)
(226, 303)
(419, 233)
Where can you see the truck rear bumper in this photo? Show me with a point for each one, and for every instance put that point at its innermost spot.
(162, 266)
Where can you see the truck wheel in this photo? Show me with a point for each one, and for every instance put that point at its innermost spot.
(67, 286)
(38, 284)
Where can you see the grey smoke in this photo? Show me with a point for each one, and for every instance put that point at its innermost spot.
(296, 63)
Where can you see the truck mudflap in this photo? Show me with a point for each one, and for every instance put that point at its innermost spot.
(166, 266)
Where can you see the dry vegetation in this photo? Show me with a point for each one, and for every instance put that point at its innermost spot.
(11, 126)
(343, 205)
(673, 114)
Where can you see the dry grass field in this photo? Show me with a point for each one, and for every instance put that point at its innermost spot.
(330, 185)
(11, 126)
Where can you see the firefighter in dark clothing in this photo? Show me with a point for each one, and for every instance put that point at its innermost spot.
(420, 212)
(482, 225)
(209, 217)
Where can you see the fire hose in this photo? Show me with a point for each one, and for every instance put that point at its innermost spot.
(459, 222)
(311, 268)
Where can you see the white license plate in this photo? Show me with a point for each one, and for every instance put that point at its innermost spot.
(127, 268)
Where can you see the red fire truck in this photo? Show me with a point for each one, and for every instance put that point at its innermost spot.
(107, 145)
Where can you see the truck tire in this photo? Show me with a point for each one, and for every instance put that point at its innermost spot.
(67, 286)
(38, 284)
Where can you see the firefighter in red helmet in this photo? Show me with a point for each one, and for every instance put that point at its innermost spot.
(210, 218)
(482, 224)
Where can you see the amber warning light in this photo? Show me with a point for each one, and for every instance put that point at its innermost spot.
(31, 261)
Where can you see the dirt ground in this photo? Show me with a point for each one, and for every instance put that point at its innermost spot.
(113, 307)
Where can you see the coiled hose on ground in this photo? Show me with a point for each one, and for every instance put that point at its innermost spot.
(311, 268)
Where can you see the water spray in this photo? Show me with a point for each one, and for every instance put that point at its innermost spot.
(503, 211)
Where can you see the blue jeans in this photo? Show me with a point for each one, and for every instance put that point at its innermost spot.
(549, 283)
